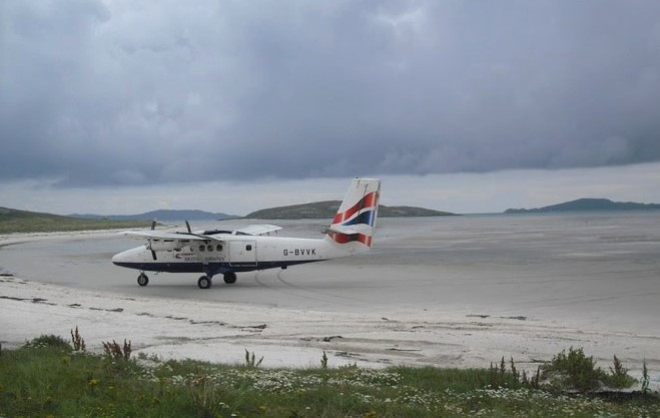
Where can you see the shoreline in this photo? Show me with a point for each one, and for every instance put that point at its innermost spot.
(25, 237)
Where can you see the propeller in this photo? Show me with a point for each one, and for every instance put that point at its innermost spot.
(153, 253)
(188, 226)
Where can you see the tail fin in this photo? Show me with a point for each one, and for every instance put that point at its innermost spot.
(355, 220)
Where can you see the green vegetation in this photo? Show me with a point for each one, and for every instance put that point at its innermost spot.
(49, 378)
(328, 209)
(251, 360)
(578, 372)
(15, 221)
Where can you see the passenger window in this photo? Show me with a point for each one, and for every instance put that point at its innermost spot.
(219, 248)
(210, 248)
(202, 248)
(248, 248)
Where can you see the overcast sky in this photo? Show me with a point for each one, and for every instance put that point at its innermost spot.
(123, 106)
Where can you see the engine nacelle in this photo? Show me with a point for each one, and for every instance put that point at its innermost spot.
(156, 244)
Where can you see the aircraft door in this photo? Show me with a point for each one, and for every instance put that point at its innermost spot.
(243, 253)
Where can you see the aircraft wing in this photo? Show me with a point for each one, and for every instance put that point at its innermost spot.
(179, 236)
(262, 229)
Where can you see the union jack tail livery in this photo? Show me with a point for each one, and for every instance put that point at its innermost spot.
(355, 220)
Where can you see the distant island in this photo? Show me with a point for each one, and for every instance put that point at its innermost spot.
(165, 215)
(589, 205)
(327, 209)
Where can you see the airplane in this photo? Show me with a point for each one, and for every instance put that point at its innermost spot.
(216, 252)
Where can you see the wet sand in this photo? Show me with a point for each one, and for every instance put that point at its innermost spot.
(451, 292)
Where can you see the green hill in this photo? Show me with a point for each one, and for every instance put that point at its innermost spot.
(328, 209)
(589, 205)
(13, 221)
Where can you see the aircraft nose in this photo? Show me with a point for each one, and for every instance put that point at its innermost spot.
(118, 258)
(129, 257)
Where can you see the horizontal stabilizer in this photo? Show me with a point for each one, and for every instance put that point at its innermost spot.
(342, 229)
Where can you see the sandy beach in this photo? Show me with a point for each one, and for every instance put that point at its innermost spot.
(460, 292)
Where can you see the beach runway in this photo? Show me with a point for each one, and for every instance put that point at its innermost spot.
(453, 291)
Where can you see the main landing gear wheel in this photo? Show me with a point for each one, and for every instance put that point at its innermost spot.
(204, 282)
(230, 278)
(143, 280)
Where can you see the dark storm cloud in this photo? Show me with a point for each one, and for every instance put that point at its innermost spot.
(124, 92)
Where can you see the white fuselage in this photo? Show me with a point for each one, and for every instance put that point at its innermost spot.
(232, 253)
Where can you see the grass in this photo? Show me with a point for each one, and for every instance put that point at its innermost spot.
(47, 378)
(16, 221)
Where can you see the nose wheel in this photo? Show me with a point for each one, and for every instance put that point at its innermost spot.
(204, 282)
(143, 280)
